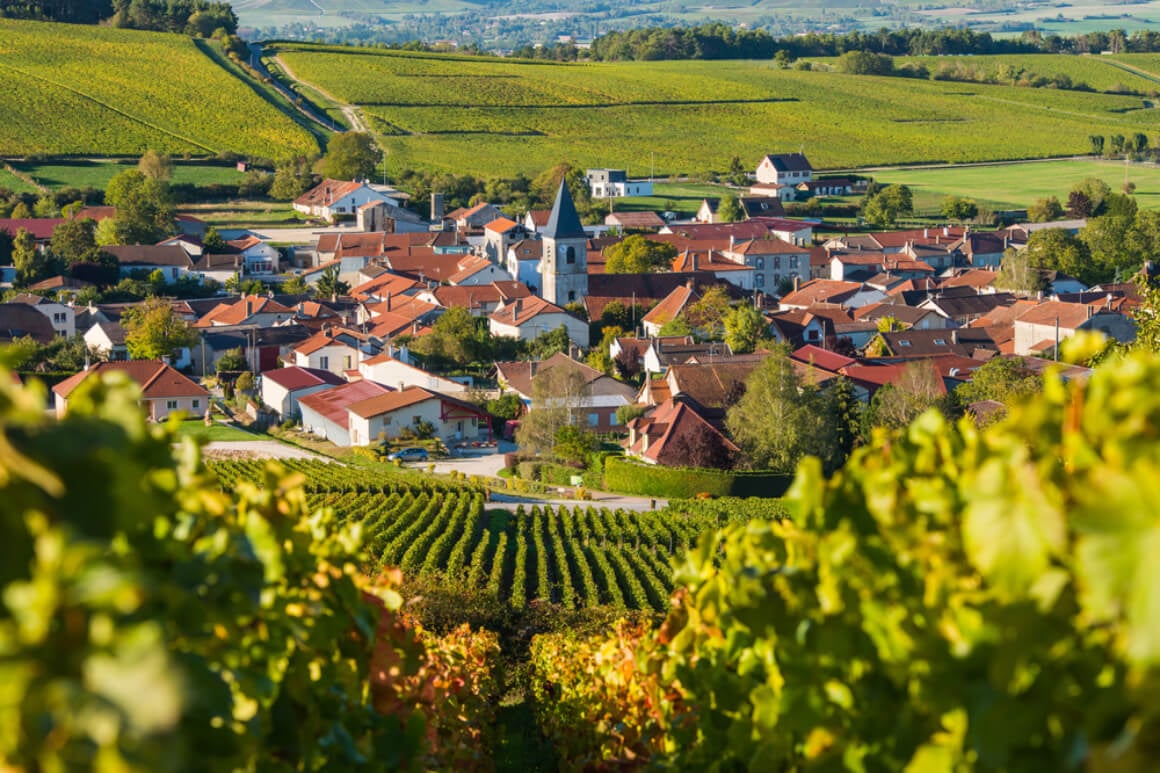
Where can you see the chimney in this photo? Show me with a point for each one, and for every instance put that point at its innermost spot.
(954, 337)
(1108, 302)
(1089, 311)
(732, 241)
(797, 280)
(926, 233)
(946, 231)
(249, 306)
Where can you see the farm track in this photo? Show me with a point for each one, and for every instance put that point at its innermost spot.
(110, 108)
(588, 106)
(353, 115)
(1133, 69)
(315, 116)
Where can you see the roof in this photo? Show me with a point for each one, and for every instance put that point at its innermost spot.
(19, 319)
(974, 277)
(635, 219)
(150, 255)
(919, 343)
(501, 225)
(1069, 315)
(672, 305)
(41, 228)
(241, 310)
(539, 216)
(325, 338)
(519, 374)
(391, 401)
(327, 192)
(156, 379)
(469, 267)
(293, 378)
(113, 331)
(822, 358)
(332, 403)
(768, 246)
(522, 310)
(673, 428)
(645, 288)
(758, 206)
(821, 291)
(564, 223)
(789, 162)
(61, 283)
(710, 384)
(527, 249)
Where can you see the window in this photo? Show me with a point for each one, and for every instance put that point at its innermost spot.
(904, 343)
(59, 317)
(594, 420)
(196, 404)
(324, 363)
(416, 420)
(793, 261)
(171, 405)
(569, 254)
(571, 295)
(940, 342)
(812, 334)
(777, 261)
(759, 280)
(346, 362)
(759, 264)
(776, 279)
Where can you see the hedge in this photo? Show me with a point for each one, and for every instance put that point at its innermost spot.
(648, 480)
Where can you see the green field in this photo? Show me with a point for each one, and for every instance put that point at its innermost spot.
(498, 117)
(1015, 186)
(96, 174)
(11, 182)
(78, 90)
(1101, 73)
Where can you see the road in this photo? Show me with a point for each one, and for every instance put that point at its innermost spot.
(350, 112)
(306, 110)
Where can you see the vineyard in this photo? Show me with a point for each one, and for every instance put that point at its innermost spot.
(576, 557)
(75, 90)
(683, 117)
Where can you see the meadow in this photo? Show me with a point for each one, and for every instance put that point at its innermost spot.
(498, 117)
(1100, 73)
(93, 173)
(78, 90)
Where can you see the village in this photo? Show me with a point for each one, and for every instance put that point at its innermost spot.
(642, 332)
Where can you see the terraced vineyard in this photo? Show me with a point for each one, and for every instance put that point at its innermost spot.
(497, 117)
(574, 556)
(80, 90)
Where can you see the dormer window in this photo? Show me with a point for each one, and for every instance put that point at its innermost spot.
(904, 343)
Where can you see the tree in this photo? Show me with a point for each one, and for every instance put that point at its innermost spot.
(677, 326)
(699, 446)
(845, 408)
(918, 388)
(456, 339)
(1045, 210)
(144, 208)
(883, 208)
(154, 331)
(1017, 274)
(557, 401)
(291, 178)
(628, 364)
(573, 445)
(550, 342)
(213, 241)
(1003, 379)
(1058, 250)
(1097, 141)
(959, 209)
(349, 156)
(75, 241)
(155, 166)
(729, 210)
(232, 360)
(780, 420)
(295, 285)
(1096, 191)
(329, 284)
(31, 263)
(638, 255)
(744, 327)
(707, 314)
(1147, 315)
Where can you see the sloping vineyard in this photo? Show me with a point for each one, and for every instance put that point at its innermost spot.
(572, 556)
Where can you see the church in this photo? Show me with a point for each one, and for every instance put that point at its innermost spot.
(564, 261)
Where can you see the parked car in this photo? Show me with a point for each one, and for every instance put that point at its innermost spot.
(409, 455)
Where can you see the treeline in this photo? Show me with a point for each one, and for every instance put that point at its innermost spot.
(720, 41)
(200, 18)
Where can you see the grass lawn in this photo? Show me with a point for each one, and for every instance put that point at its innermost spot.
(1016, 186)
(682, 198)
(216, 432)
(14, 183)
(96, 174)
(244, 214)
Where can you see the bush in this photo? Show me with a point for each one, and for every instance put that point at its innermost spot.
(631, 477)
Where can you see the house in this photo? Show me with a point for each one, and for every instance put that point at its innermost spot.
(258, 310)
(108, 340)
(527, 318)
(535, 219)
(332, 199)
(852, 295)
(674, 434)
(325, 412)
(386, 369)
(664, 352)
(283, 387)
(39, 228)
(673, 305)
(264, 348)
(635, 222)
(782, 193)
(911, 317)
(965, 342)
(784, 169)
(473, 219)
(827, 186)
(715, 262)
(499, 235)
(475, 271)
(173, 262)
(62, 316)
(799, 327)
(602, 394)
(385, 217)
(523, 261)
(386, 415)
(18, 320)
(760, 206)
(1039, 329)
(334, 349)
(774, 262)
(164, 390)
(259, 257)
(614, 183)
(962, 306)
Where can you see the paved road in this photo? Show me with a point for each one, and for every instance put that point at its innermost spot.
(257, 449)
(306, 110)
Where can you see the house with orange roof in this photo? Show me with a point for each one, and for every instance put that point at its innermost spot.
(258, 310)
(473, 270)
(535, 219)
(473, 219)
(774, 261)
(852, 295)
(714, 261)
(673, 434)
(499, 235)
(259, 257)
(385, 416)
(332, 199)
(1040, 329)
(391, 369)
(164, 390)
(671, 307)
(527, 318)
(325, 412)
(335, 349)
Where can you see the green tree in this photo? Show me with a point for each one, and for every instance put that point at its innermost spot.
(349, 156)
(1003, 379)
(155, 166)
(707, 314)
(638, 255)
(1097, 141)
(1056, 249)
(729, 210)
(1019, 275)
(457, 339)
(558, 396)
(329, 284)
(1147, 315)
(865, 63)
(75, 241)
(7, 243)
(213, 241)
(883, 208)
(295, 285)
(780, 420)
(744, 327)
(153, 330)
(1096, 191)
(918, 389)
(291, 178)
(959, 209)
(1045, 210)
(232, 360)
(31, 263)
(550, 342)
(144, 208)
(843, 405)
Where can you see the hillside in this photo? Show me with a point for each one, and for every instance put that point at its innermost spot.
(497, 117)
(79, 90)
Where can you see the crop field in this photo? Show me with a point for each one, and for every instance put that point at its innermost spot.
(496, 118)
(574, 556)
(1015, 186)
(79, 90)
(11, 182)
(90, 173)
(1101, 73)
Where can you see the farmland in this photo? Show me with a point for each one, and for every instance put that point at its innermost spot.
(573, 556)
(498, 117)
(76, 90)
(83, 173)
(1100, 73)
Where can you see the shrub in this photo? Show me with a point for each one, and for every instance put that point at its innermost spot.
(631, 477)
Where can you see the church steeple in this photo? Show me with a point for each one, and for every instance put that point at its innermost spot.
(564, 223)
(564, 261)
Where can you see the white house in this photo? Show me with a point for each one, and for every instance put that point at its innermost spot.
(385, 415)
(337, 351)
(527, 318)
(385, 369)
(614, 183)
(260, 258)
(785, 169)
(62, 316)
(332, 199)
(163, 389)
(108, 339)
(282, 388)
(325, 413)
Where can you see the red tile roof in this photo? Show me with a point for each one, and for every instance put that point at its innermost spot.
(41, 228)
(672, 305)
(332, 404)
(500, 225)
(522, 310)
(326, 193)
(293, 378)
(156, 379)
(390, 401)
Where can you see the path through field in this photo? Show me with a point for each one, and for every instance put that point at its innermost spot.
(352, 114)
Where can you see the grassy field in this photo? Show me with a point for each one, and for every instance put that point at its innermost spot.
(244, 214)
(79, 90)
(1015, 186)
(682, 198)
(1101, 73)
(11, 182)
(93, 173)
(496, 118)
(215, 432)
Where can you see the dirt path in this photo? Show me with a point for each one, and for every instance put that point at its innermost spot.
(256, 449)
(352, 114)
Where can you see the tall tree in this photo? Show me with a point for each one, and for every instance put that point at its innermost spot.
(291, 178)
(74, 241)
(156, 166)
(917, 389)
(31, 263)
(728, 209)
(349, 156)
(1003, 379)
(144, 208)
(557, 401)
(780, 420)
(1019, 275)
(883, 208)
(153, 330)
(744, 327)
(329, 285)
(639, 255)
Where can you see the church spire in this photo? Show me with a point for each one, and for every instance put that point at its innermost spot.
(564, 223)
